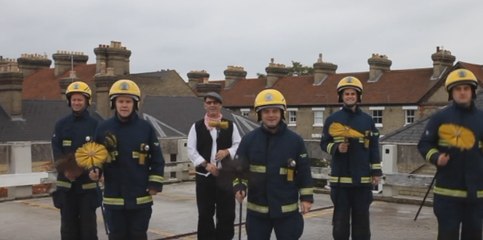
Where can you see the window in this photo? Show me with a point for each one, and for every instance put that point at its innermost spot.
(292, 116)
(318, 117)
(245, 112)
(377, 113)
(410, 114)
(377, 116)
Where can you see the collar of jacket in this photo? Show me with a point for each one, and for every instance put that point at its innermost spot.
(81, 115)
(461, 108)
(347, 109)
(132, 118)
(282, 126)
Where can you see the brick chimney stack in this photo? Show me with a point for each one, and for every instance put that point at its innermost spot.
(196, 77)
(113, 56)
(442, 61)
(233, 74)
(275, 71)
(378, 64)
(103, 83)
(322, 70)
(29, 63)
(65, 60)
(11, 79)
(203, 88)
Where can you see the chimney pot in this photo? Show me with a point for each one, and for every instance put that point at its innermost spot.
(442, 61)
(196, 77)
(115, 56)
(378, 64)
(30, 63)
(322, 70)
(233, 74)
(275, 71)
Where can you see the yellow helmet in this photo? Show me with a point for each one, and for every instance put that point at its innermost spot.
(460, 76)
(78, 87)
(270, 98)
(124, 87)
(349, 82)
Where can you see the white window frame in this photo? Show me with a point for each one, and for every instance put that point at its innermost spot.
(245, 112)
(291, 122)
(317, 135)
(318, 110)
(406, 115)
(372, 109)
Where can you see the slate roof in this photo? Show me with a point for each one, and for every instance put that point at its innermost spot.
(43, 104)
(37, 123)
(173, 116)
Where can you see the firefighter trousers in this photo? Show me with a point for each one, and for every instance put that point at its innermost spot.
(288, 227)
(458, 214)
(127, 224)
(77, 214)
(351, 212)
(215, 196)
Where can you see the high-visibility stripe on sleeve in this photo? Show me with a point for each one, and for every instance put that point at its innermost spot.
(339, 139)
(430, 153)
(63, 184)
(156, 178)
(329, 147)
(306, 191)
(89, 186)
(376, 166)
(144, 200)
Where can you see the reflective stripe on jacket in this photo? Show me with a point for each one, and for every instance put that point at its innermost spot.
(462, 177)
(265, 158)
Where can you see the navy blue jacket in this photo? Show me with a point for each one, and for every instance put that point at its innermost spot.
(362, 161)
(126, 177)
(264, 158)
(462, 177)
(70, 133)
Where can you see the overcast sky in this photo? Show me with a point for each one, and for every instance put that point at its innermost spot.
(209, 35)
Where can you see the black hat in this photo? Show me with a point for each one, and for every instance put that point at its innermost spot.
(215, 96)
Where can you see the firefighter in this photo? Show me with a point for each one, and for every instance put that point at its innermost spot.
(351, 138)
(75, 195)
(134, 171)
(274, 173)
(453, 141)
(212, 141)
